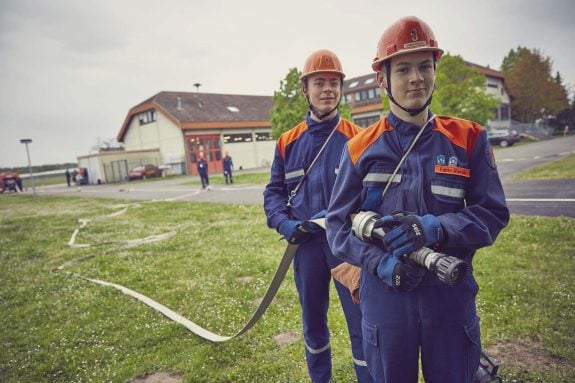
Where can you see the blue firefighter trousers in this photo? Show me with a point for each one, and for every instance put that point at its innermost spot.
(312, 264)
(439, 322)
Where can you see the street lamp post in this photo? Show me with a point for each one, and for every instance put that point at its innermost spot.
(27, 141)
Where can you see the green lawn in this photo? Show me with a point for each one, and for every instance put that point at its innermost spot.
(562, 168)
(57, 327)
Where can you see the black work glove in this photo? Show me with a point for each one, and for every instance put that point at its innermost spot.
(292, 231)
(407, 233)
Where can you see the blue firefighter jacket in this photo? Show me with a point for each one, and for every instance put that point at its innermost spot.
(450, 173)
(294, 153)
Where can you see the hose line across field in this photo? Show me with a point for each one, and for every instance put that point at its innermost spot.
(277, 279)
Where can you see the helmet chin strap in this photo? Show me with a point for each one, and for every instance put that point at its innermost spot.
(316, 113)
(412, 111)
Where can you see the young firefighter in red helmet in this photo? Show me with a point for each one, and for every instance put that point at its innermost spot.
(302, 177)
(447, 186)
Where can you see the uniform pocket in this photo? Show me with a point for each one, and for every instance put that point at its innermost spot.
(369, 333)
(292, 176)
(375, 182)
(371, 350)
(448, 191)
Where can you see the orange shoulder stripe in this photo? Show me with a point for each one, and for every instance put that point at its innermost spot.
(290, 136)
(359, 143)
(347, 128)
(460, 132)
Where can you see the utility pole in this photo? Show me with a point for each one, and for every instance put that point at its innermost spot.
(27, 141)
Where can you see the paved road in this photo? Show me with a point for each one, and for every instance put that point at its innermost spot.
(547, 198)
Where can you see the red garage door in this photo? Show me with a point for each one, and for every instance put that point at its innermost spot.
(207, 145)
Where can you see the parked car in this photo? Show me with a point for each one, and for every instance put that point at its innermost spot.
(144, 171)
(10, 181)
(503, 137)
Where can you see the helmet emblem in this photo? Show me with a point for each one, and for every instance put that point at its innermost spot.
(413, 35)
(327, 61)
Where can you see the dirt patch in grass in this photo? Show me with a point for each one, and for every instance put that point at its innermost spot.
(159, 377)
(285, 338)
(524, 356)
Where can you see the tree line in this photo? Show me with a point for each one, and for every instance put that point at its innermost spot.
(537, 96)
(41, 168)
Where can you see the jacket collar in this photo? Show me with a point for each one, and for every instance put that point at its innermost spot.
(327, 125)
(404, 127)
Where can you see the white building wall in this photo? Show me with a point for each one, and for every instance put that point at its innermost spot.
(171, 141)
(249, 155)
(161, 134)
(497, 89)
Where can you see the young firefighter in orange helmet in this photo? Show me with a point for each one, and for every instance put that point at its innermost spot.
(302, 177)
(439, 172)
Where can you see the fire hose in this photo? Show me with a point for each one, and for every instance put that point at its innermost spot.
(447, 269)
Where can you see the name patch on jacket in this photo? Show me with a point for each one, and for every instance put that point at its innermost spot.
(454, 170)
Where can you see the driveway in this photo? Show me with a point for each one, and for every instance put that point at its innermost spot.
(546, 198)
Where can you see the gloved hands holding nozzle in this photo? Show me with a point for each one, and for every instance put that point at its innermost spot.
(407, 233)
(399, 272)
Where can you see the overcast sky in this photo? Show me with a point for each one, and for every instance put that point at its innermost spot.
(70, 70)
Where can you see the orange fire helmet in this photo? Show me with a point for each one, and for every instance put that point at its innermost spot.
(322, 61)
(407, 35)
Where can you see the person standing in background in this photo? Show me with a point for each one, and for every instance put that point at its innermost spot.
(203, 172)
(228, 167)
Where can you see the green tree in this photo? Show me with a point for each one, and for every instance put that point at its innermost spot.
(290, 104)
(511, 57)
(534, 90)
(460, 91)
(344, 110)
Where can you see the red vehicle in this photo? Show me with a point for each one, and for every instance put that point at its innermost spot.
(144, 171)
(10, 181)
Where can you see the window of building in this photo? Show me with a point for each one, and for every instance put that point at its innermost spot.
(492, 85)
(369, 80)
(147, 117)
(353, 84)
(504, 111)
(371, 93)
(237, 138)
(357, 96)
(233, 109)
(263, 137)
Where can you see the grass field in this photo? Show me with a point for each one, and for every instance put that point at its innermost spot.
(57, 327)
(562, 168)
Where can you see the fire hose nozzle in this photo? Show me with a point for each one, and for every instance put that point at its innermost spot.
(449, 270)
